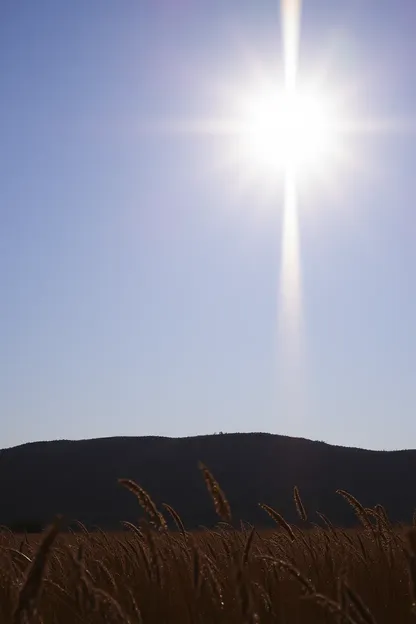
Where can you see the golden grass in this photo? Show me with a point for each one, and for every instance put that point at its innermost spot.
(151, 574)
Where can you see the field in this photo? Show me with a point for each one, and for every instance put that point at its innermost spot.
(151, 574)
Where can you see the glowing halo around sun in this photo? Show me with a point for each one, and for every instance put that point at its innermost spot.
(279, 132)
(289, 129)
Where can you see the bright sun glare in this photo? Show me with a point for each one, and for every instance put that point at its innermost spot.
(289, 129)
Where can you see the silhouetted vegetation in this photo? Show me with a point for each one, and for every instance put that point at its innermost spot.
(289, 575)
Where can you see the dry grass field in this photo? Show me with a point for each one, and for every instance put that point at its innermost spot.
(151, 574)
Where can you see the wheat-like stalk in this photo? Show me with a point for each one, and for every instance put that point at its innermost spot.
(358, 605)
(32, 586)
(145, 502)
(247, 547)
(221, 504)
(360, 511)
(299, 505)
(279, 520)
(176, 518)
(107, 604)
(293, 571)
(332, 607)
(133, 528)
(328, 524)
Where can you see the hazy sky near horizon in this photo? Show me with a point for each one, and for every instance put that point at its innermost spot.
(140, 269)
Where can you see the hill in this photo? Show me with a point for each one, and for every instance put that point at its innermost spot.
(79, 478)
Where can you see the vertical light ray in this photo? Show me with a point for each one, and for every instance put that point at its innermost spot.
(290, 11)
(290, 303)
(291, 355)
(290, 277)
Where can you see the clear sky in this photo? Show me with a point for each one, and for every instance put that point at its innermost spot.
(140, 272)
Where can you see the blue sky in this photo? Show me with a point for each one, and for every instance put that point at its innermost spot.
(140, 284)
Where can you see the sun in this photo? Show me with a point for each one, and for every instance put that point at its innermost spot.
(289, 129)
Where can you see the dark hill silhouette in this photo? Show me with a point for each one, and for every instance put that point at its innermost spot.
(79, 478)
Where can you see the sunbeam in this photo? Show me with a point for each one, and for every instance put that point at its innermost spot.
(290, 307)
(290, 297)
(290, 12)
